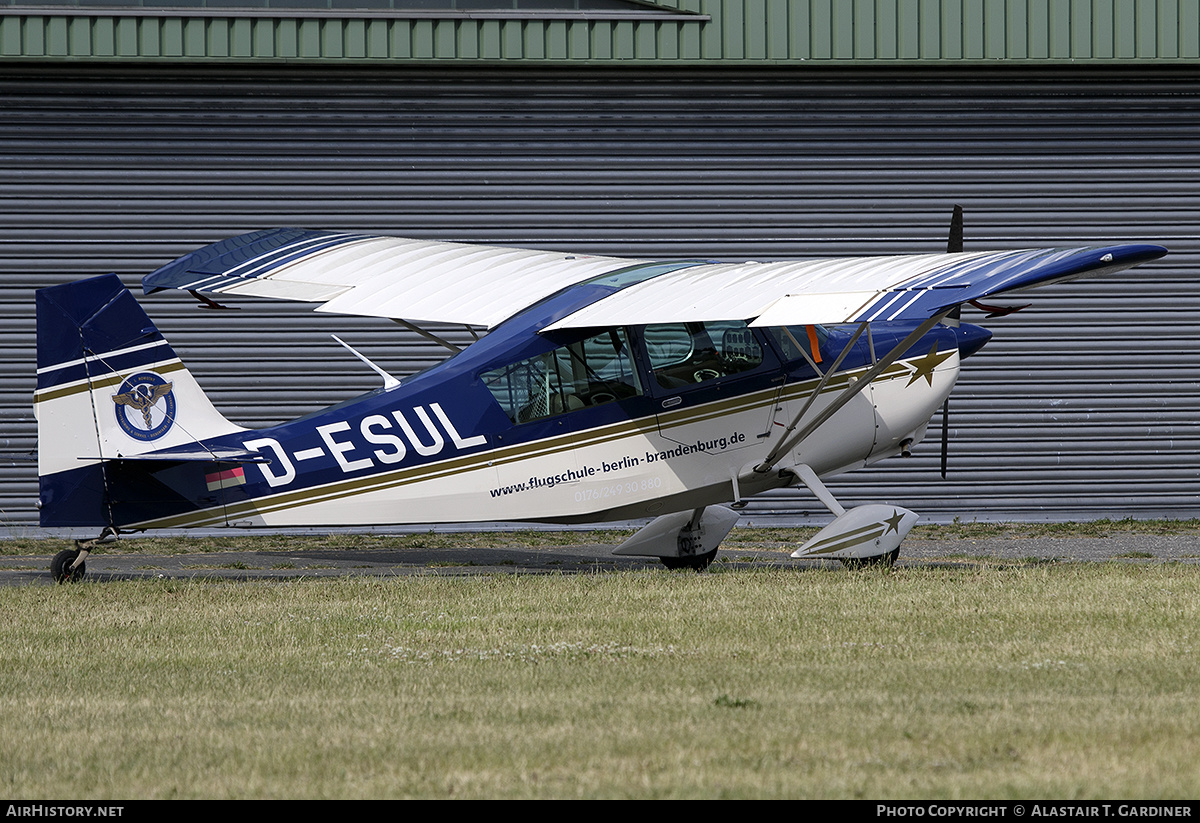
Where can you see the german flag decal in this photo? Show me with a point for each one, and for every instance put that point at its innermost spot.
(225, 479)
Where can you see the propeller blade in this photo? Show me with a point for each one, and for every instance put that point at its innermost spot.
(955, 243)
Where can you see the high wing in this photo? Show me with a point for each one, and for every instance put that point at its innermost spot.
(845, 290)
(373, 276)
(430, 281)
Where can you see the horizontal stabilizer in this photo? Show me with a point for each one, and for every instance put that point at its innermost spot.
(864, 531)
(201, 454)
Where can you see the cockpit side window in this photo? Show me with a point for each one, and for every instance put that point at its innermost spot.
(683, 354)
(792, 338)
(589, 373)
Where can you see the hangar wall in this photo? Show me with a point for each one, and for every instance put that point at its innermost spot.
(1082, 407)
(602, 31)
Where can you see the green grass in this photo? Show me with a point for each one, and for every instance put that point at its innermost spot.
(1010, 680)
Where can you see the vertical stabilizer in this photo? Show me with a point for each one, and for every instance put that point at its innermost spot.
(109, 386)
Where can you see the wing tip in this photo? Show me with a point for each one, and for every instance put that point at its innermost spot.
(1145, 252)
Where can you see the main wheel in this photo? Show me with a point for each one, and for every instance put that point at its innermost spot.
(696, 562)
(878, 561)
(60, 567)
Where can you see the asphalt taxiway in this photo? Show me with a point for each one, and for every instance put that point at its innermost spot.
(122, 564)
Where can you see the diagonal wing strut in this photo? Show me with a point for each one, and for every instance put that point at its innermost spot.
(790, 442)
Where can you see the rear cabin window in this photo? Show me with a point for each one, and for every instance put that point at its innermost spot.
(589, 373)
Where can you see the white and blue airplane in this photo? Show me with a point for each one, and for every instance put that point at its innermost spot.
(605, 389)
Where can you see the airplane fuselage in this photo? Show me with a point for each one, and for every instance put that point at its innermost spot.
(668, 430)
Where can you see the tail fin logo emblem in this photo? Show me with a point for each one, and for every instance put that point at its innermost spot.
(145, 406)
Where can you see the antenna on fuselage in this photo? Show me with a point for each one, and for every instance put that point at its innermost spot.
(389, 382)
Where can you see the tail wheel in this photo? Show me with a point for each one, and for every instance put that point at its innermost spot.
(60, 567)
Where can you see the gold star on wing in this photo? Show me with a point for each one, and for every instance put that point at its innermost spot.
(925, 366)
(893, 522)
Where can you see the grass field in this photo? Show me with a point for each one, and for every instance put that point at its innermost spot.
(987, 679)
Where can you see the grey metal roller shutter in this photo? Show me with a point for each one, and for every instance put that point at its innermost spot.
(1084, 406)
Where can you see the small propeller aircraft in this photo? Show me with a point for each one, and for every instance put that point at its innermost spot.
(605, 389)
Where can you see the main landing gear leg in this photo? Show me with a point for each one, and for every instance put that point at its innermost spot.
(691, 550)
(68, 565)
(682, 540)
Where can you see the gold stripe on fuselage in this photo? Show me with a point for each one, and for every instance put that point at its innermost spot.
(762, 399)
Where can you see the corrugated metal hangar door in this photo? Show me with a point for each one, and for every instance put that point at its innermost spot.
(1082, 407)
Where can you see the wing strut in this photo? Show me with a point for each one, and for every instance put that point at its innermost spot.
(825, 378)
(430, 335)
(789, 442)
